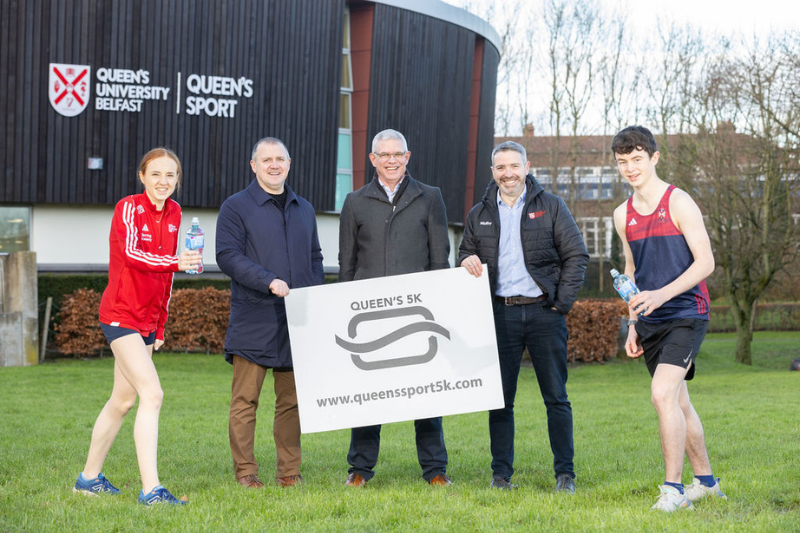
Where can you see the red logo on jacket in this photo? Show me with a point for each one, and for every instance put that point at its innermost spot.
(536, 214)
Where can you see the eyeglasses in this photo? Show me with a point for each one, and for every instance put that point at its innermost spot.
(384, 156)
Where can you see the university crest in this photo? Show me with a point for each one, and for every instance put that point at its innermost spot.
(69, 88)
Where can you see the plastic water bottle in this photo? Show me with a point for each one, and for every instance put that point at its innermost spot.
(194, 241)
(625, 287)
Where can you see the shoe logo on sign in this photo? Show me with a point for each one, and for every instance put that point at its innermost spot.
(69, 88)
(357, 349)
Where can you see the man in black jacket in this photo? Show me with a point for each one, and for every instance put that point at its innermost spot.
(393, 225)
(536, 259)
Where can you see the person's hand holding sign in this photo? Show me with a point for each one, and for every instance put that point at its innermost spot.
(473, 265)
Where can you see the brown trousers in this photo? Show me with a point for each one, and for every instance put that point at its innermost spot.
(247, 381)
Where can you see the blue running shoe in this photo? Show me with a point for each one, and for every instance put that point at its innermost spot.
(159, 495)
(93, 487)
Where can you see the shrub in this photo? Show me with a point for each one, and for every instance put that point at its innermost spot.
(198, 319)
(58, 286)
(594, 329)
(77, 331)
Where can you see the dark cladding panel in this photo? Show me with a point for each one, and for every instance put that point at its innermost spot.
(420, 85)
(290, 49)
(483, 159)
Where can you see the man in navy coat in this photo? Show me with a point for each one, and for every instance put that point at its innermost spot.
(267, 243)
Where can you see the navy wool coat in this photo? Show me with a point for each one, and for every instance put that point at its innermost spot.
(257, 241)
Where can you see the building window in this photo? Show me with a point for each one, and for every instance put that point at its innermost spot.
(344, 158)
(15, 229)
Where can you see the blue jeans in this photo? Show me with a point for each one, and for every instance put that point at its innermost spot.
(544, 332)
(431, 452)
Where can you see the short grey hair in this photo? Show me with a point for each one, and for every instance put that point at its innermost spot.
(510, 146)
(389, 135)
(268, 140)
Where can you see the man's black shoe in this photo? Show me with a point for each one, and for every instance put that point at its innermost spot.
(565, 483)
(502, 484)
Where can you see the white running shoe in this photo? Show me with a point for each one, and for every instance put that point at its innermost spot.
(697, 490)
(672, 500)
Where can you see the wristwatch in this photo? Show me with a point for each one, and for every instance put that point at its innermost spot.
(632, 322)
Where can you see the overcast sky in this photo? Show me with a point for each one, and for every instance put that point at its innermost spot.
(720, 16)
(715, 16)
(724, 18)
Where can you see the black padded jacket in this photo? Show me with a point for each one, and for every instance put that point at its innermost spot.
(553, 248)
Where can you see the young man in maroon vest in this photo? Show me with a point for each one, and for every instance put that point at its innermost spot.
(668, 255)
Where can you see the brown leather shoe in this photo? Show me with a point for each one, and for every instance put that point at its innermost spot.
(251, 481)
(355, 480)
(289, 481)
(441, 480)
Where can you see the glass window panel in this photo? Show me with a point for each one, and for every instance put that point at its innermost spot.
(344, 185)
(347, 78)
(344, 159)
(344, 111)
(346, 32)
(15, 229)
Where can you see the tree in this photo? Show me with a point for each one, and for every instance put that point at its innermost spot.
(614, 85)
(512, 22)
(586, 28)
(746, 182)
(671, 83)
(726, 113)
(555, 20)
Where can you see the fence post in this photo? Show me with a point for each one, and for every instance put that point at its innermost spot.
(45, 328)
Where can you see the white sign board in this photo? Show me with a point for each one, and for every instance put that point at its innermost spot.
(395, 348)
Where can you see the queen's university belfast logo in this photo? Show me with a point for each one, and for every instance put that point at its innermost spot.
(69, 88)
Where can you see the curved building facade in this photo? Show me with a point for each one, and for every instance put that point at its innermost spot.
(93, 84)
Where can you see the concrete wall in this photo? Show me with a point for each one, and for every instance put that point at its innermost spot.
(75, 238)
(19, 322)
(72, 238)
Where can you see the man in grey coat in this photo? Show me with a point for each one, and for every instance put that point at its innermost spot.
(393, 225)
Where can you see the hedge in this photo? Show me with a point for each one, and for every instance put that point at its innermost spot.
(197, 323)
(77, 331)
(61, 286)
(199, 319)
(58, 286)
(594, 330)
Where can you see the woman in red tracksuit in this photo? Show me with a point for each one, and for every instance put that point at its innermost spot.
(133, 312)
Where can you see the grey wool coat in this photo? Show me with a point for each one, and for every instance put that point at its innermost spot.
(378, 238)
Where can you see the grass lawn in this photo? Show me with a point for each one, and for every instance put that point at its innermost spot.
(750, 416)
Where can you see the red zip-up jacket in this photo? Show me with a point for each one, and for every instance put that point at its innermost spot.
(143, 244)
